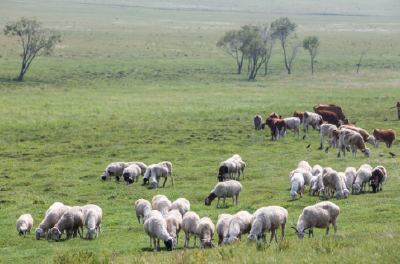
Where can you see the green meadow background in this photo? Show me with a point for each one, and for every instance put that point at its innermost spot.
(136, 81)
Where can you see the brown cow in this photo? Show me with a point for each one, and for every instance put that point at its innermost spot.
(277, 126)
(386, 136)
(299, 114)
(333, 108)
(367, 137)
(398, 109)
(329, 117)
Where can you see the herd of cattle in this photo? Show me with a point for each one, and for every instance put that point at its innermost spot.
(327, 119)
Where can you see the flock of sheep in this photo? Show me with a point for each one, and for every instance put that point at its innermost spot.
(60, 219)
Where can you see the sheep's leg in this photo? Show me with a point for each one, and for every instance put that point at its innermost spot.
(172, 179)
(243, 173)
(272, 235)
(186, 240)
(220, 238)
(237, 196)
(177, 238)
(195, 241)
(138, 218)
(334, 226)
(283, 231)
(327, 230)
(224, 201)
(217, 203)
(311, 232)
(165, 180)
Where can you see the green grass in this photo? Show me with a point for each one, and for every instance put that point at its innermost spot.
(145, 82)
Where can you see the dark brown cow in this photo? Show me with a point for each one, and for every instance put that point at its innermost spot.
(329, 117)
(299, 114)
(333, 108)
(386, 136)
(398, 109)
(277, 126)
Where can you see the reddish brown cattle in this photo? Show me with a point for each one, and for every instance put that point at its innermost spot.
(329, 117)
(299, 114)
(386, 136)
(277, 126)
(333, 108)
(398, 108)
(274, 115)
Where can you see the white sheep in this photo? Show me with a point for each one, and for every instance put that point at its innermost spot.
(293, 123)
(240, 166)
(320, 215)
(50, 220)
(156, 227)
(24, 224)
(267, 219)
(240, 224)
(182, 205)
(224, 190)
(113, 169)
(296, 185)
(131, 173)
(304, 165)
(317, 169)
(313, 181)
(155, 172)
(54, 206)
(363, 176)
(164, 206)
(142, 209)
(257, 122)
(71, 221)
(351, 174)
(222, 227)
(344, 190)
(227, 169)
(366, 166)
(318, 185)
(155, 199)
(142, 166)
(334, 182)
(174, 224)
(168, 166)
(93, 216)
(190, 221)
(306, 175)
(205, 231)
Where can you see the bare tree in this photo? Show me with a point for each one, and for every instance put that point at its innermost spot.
(256, 53)
(312, 45)
(269, 41)
(233, 45)
(295, 49)
(359, 62)
(35, 40)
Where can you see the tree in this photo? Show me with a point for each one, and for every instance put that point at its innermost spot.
(233, 46)
(312, 45)
(269, 41)
(256, 54)
(35, 40)
(359, 63)
(282, 28)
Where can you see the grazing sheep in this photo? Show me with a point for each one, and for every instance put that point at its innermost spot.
(224, 190)
(343, 191)
(350, 173)
(240, 224)
(142, 166)
(306, 175)
(168, 166)
(93, 216)
(366, 166)
(131, 173)
(174, 224)
(157, 171)
(205, 231)
(50, 220)
(304, 165)
(378, 178)
(333, 182)
(317, 169)
(155, 199)
(227, 169)
(142, 208)
(320, 215)
(24, 224)
(313, 181)
(318, 185)
(163, 205)
(223, 227)
(71, 221)
(114, 169)
(258, 122)
(267, 219)
(182, 205)
(293, 123)
(296, 185)
(190, 221)
(240, 166)
(156, 227)
(363, 176)
(55, 205)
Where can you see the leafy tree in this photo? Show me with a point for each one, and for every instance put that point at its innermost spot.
(35, 40)
(233, 46)
(282, 28)
(269, 41)
(312, 45)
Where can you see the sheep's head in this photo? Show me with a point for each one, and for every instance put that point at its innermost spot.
(39, 233)
(356, 188)
(209, 199)
(117, 178)
(170, 243)
(103, 178)
(55, 233)
(300, 233)
(145, 181)
(22, 231)
(130, 180)
(206, 244)
(346, 193)
(220, 178)
(294, 195)
(91, 232)
(232, 240)
(367, 152)
(154, 184)
(253, 237)
(374, 186)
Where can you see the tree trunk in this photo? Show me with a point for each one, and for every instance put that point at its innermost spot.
(312, 66)
(284, 54)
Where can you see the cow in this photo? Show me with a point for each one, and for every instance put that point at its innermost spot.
(333, 108)
(398, 109)
(325, 132)
(329, 117)
(293, 123)
(333, 136)
(386, 136)
(355, 140)
(299, 114)
(367, 137)
(258, 122)
(312, 119)
(277, 126)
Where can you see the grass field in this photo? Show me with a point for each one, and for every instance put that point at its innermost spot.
(145, 82)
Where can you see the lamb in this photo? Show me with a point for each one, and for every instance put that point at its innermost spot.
(363, 176)
(317, 169)
(142, 208)
(113, 169)
(379, 176)
(174, 224)
(293, 123)
(205, 231)
(257, 122)
(182, 205)
(168, 166)
(366, 137)
(223, 190)
(325, 128)
(24, 224)
(131, 173)
(239, 224)
(223, 227)
(50, 220)
(93, 216)
(71, 221)
(164, 206)
(320, 215)
(156, 227)
(267, 219)
(296, 185)
(190, 222)
(350, 173)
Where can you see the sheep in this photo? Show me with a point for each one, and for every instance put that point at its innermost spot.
(157, 171)
(205, 231)
(333, 182)
(378, 178)
(296, 185)
(163, 205)
(156, 227)
(24, 224)
(366, 166)
(223, 227)
(306, 175)
(131, 173)
(239, 224)
(71, 221)
(320, 215)
(174, 224)
(293, 123)
(313, 181)
(142, 166)
(54, 206)
(350, 173)
(227, 169)
(168, 166)
(50, 220)
(343, 190)
(362, 177)
(304, 165)
(223, 190)
(267, 219)
(155, 199)
(318, 185)
(142, 209)
(93, 216)
(113, 169)
(182, 205)
(240, 166)
(317, 169)
(257, 122)
(190, 221)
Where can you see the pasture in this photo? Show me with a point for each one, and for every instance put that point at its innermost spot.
(145, 82)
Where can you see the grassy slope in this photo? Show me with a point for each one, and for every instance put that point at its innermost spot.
(129, 85)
